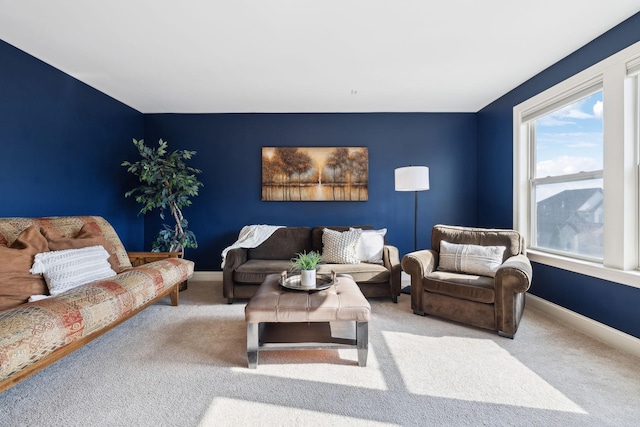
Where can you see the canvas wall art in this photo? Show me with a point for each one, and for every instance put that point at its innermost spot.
(315, 173)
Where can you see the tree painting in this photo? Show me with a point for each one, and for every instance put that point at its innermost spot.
(315, 173)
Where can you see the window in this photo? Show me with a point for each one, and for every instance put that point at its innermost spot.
(576, 171)
(566, 180)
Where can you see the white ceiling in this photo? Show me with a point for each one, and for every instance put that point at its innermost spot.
(212, 56)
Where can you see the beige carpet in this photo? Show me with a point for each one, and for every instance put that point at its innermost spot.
(186, 366)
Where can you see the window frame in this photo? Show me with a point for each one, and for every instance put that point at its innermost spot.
(618, 77)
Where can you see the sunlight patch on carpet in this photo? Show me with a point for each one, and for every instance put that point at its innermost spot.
(338, 367)
(234, 412)
(473, 370)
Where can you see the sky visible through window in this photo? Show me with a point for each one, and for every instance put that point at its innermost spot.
(569, 140)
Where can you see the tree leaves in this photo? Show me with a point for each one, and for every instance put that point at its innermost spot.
(166, 182)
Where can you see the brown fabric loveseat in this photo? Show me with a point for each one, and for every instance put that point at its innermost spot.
(493, 299)
(246, 268)
(34, 335)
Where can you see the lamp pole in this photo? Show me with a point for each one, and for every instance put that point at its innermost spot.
(415, 221)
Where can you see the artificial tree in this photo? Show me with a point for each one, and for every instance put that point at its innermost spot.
(166, 182)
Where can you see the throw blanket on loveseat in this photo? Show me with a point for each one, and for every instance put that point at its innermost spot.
(251, 236)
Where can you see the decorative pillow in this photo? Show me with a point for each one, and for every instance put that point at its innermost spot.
(369, 247)
(89, 235)
(16, 283)
(470, 259)
(67, 269)
(340, 247)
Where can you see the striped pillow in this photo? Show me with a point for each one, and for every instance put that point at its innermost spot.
(69, 268)
(470, 259)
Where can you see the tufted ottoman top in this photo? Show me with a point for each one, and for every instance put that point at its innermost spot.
(273, 303)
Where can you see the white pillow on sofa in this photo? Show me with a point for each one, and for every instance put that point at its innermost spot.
(69, 268)
(470, 259)
(369, 247)
(340, 247)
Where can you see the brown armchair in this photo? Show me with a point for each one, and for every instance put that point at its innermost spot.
(447, 284)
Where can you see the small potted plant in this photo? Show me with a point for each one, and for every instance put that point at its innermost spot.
(306, 263)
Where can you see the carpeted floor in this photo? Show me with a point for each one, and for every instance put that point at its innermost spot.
(186, 366)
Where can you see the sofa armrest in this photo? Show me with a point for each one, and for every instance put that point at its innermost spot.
(514, 275)
(140, 258)
(391, 261)
(418, 265)
(235, 258)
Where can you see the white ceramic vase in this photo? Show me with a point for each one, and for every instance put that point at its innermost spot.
(308, 278)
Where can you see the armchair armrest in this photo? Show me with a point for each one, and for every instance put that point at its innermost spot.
(512, 280)
(417, 265)
(514, 275)
(391, 261)
(420, 263)
(235, 258)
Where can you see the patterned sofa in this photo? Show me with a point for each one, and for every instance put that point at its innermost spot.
(35, 334)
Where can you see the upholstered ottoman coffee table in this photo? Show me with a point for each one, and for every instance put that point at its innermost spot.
(283, 319)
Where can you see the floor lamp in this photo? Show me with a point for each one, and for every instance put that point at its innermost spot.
(412, 178)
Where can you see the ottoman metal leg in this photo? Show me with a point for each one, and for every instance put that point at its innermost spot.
(362, 342)
(252, 344)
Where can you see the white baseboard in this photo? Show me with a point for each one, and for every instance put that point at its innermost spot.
(601, 332)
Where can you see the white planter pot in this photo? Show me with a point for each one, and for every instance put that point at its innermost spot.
(308, 278)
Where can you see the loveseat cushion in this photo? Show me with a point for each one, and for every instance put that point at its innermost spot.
(255, 270)
(361, 273)
(462, 286)
(283, 244)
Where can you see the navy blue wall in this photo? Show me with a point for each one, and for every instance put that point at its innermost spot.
(229, 152)
(61, 145)
(609, 303)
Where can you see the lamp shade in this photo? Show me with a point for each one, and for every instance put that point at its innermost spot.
(412, 178)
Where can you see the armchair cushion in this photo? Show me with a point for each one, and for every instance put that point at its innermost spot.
(470, 259)
(463, 286)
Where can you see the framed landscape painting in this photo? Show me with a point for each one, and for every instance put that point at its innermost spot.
(315, 173)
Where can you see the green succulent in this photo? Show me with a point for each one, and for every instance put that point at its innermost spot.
(306, 261)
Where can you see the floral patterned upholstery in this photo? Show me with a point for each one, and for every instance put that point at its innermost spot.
(33, 331)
